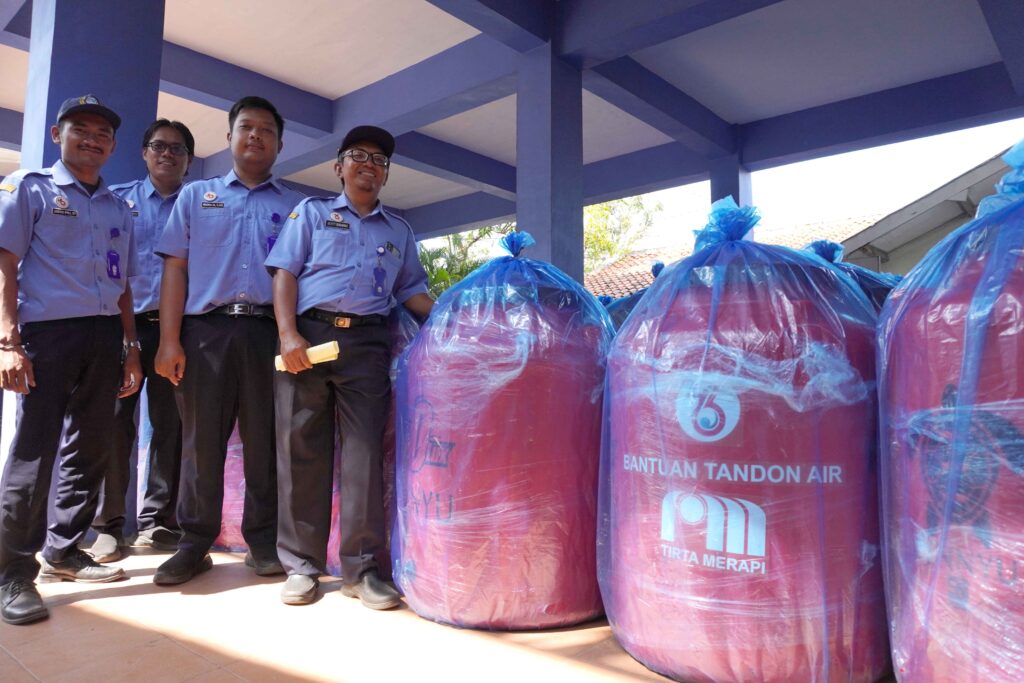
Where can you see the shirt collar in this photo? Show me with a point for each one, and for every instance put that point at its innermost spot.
(148, 189)
(273, 181)
(342, 202)
(62, 176)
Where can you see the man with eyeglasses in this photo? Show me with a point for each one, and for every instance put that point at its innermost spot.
(217, 339)
(168, 149)
(342, 264)
(66, 255)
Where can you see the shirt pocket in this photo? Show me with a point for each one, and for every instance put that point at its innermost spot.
(63, 237)
(211, 227)
(334, 247)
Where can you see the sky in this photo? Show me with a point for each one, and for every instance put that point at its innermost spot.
(879, 180)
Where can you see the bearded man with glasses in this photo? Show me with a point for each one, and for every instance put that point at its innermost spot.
(168, 149)
(342, 264)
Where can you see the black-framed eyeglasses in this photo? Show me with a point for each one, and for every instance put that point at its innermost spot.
(361, 156)
(176, 148)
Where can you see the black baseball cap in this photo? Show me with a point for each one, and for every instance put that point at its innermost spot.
(379, 136)
(89, 104)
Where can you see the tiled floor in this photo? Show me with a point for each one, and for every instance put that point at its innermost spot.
(228, 625)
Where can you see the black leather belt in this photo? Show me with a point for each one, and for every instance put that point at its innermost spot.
(344, 319)
(236, 310)
(151, 316)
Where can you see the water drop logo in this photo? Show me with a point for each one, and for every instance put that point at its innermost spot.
(707, 414)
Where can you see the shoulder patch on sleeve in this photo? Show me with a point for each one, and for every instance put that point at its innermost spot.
(8, 187)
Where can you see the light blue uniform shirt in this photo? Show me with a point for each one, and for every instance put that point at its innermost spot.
(76, 250)
(221, 227)
(150, 212)
(347, 264)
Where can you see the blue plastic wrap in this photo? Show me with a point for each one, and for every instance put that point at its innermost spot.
(499, 414)
(738, 524)
(620, 309)
(951, 384)
(876, 285)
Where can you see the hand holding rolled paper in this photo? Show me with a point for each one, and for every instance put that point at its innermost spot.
(316, 354)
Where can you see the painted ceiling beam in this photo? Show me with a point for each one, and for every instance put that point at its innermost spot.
(939, 105)
(646, 170)
(461, 213)
(215, 83)
(10, 129)
(8, 10)
(1006, 24)
(593, 31)
(463, 77)
(520, 24)
(648, 97)
(451, 162)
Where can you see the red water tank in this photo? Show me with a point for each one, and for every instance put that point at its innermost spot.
(738, 537)
(499, 422)
(952, 399)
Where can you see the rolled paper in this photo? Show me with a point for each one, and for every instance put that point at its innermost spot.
(316, 354)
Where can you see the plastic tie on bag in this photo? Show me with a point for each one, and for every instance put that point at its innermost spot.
(656, 269)
(515, 242)
(727, 223)
(826, 249)
(605, 300)
(1010, 187)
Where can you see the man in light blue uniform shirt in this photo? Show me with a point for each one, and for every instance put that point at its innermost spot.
(342, 264)
(66, 253)
(168, 149)
(217, 339)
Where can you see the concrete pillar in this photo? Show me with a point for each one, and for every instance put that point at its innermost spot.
(549, 158)
(730, 177)
(107, 48)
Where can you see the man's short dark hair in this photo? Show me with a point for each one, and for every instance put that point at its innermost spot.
(255, 102)
(186, 134)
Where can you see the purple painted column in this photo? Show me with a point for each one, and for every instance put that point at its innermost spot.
(730, 177)
(108, 48)
(549, 158)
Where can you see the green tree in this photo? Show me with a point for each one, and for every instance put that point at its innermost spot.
(450, 258)
(611, 229)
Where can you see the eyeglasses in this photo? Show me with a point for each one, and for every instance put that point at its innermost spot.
(177, 149)
(361, 156)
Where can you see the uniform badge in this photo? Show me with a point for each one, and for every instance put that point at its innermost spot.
(395, 251)
(335, 221)
(7, 187)
(293, 215)
(131, 203)
(208, 202)
(61, 202)
(210, 196)
(335, 216)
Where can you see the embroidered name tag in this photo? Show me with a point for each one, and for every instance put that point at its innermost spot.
(65, 212)
(213, 205)
(337, 224)
(135, 213)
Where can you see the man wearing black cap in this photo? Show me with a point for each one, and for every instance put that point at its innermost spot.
(66, 322)
(342, 264)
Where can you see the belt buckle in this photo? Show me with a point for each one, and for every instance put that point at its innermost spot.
(340, 321)
(239, 309)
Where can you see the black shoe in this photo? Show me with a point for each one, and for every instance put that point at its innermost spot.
(78, 566)
(20, 603)
(183, 566)
(263, 564)
(159, 538)
(372, 592)
(299, 589)
(106, 548)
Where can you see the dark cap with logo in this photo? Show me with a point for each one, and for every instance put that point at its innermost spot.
(90, 105)
(378, 136)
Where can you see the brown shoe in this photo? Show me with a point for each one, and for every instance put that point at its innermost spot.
(78, 566)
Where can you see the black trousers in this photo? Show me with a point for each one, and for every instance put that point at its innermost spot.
(161, 490)
(357, 389)
(77, 366)
(229, 375)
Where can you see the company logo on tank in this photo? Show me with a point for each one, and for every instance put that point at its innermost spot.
(733, 531)
(708, 414)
